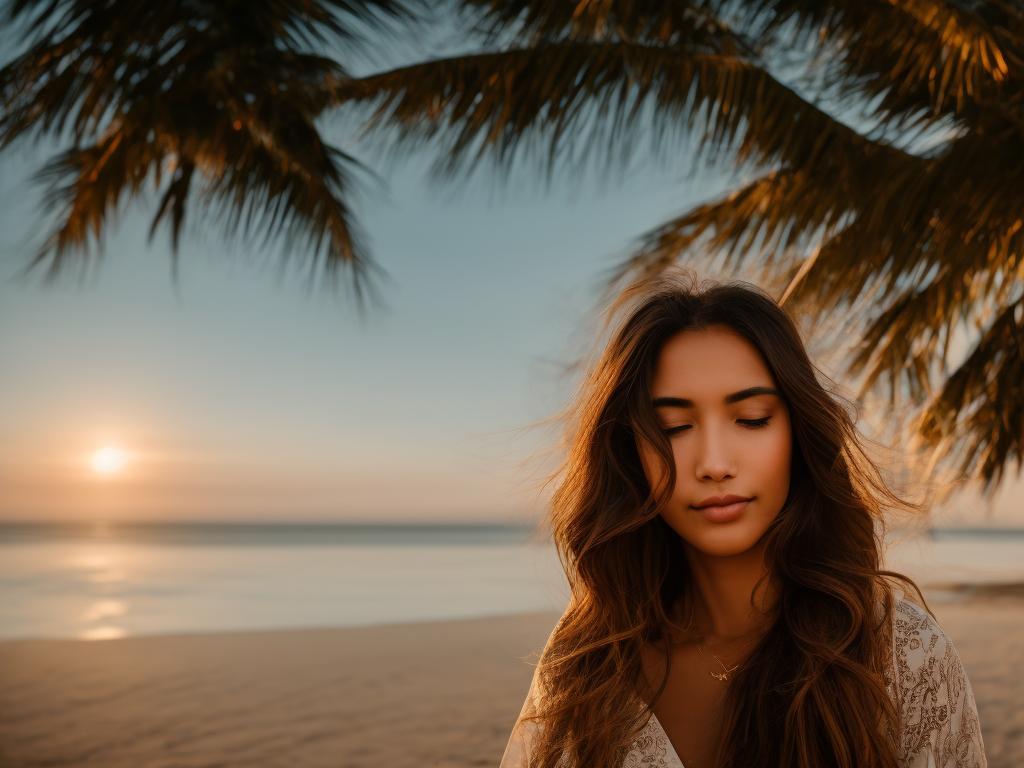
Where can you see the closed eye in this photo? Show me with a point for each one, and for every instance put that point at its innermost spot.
(748, 423)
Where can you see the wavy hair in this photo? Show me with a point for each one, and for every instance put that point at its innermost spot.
(812, 691)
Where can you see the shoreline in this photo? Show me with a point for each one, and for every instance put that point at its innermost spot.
(243, 632)
(937, 593)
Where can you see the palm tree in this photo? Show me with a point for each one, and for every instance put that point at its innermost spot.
(905, 215)
(212, 104)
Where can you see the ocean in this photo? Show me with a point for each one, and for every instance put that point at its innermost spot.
(101, 581)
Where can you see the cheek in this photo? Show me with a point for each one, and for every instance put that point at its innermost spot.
(775, 461)
(783, 446)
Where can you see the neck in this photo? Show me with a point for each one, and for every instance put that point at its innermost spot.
(724, 604)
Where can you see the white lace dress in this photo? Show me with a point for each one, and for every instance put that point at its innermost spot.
(939, 716)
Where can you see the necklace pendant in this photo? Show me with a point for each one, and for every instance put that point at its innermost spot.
(719, 675)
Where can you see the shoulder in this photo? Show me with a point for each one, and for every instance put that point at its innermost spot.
(939, 719)
(923, 653)
(918, 639)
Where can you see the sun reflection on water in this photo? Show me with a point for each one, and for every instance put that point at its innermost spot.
(105, 609)
(101, 569)
(102, 633)
(100, 566)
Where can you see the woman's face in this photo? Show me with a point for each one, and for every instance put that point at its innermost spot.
(727, 438)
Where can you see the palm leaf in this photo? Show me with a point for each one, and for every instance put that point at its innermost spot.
(216, 99)
(577, 99)
(977, 414)
(918, 61)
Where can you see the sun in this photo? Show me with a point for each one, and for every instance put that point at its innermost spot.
(108, 460)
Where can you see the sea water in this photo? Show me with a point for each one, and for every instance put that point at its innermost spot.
(98, 581)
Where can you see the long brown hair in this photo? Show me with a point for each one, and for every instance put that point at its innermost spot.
(812, 691)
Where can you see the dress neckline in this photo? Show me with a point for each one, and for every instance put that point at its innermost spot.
(668, 743)
(662, 735)
(654, 724)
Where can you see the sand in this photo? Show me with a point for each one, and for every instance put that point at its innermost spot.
(424, 694)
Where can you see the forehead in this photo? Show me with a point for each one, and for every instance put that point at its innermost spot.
(708, 363)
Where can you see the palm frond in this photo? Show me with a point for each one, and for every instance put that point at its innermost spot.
(573, 100)
(976, 416)
(917, 60)
(763, 219)
(221, 96)
(910, 337)
(644, 21)
(924, 58)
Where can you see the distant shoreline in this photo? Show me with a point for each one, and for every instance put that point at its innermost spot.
(239, 532)
(13, 530)
(411, 625)
(969, 590)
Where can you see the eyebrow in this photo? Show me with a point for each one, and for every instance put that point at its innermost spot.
(743, 394)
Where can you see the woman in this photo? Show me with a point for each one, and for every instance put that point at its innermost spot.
(716, 519)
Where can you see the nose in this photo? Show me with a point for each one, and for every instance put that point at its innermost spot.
(714, 455)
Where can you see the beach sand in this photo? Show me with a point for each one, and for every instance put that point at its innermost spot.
(426, 694)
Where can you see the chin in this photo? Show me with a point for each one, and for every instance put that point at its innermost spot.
(723, 540)
(724, 545)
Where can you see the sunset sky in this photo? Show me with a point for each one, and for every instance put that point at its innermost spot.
(246, 397)
(242, 397)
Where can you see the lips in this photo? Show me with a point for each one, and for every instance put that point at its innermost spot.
(724, 513)
(720, 501)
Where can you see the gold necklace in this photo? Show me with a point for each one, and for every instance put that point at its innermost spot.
(722, 676)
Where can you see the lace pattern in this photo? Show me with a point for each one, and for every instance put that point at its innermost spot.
(927, 680)
(651, 749)
(939, 716)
